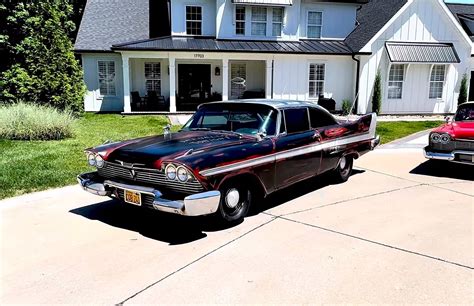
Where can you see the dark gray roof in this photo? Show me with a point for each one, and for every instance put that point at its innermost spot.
(463, 12)
(401, 52)
(108, 22)
(371, 18)
(210, 44)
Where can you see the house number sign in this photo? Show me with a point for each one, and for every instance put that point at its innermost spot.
(198, 55)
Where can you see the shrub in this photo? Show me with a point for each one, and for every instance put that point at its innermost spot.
(346, 107)
(377, 96)
(463, 90)
(32, 122)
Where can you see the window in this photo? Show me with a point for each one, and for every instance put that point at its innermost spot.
(296, 120)
(320, 118)
(395, 81)
(259, 21)
(315, 24)
(106, 78)
(153, 77)
(316, 80)
(240, 20)
(193, 20)
(238, 76)
(277, 21)
(437, 81)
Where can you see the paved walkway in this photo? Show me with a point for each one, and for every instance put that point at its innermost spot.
(399, 231)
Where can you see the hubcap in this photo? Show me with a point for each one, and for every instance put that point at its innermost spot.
(343, 162)
(232, 198)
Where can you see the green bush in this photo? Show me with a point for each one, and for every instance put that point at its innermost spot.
(463, 90)
(23, 121)
(346, 107)
(377, 95)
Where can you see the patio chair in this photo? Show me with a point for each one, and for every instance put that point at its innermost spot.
(136, 101)
(156, 102)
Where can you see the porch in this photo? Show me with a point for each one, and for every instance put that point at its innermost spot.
(157, 82)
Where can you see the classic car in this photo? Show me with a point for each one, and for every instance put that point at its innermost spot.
(228, 155)
(454, 140)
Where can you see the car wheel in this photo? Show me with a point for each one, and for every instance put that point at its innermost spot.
(235, 202)
(344, 169)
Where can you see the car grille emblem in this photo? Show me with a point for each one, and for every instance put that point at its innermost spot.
(133, 174)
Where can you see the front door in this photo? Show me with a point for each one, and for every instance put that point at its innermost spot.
(471, 87)
(194, 85)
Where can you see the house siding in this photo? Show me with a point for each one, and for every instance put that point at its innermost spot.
(178, 13)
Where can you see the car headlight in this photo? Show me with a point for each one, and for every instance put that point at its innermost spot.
(99, 161)
(170, 172)
(445, 138)
(91, 159)
(435, 138)
(182, 174)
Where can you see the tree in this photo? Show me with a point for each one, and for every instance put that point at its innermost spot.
(463, 90)
(43, 68)
(377, 95)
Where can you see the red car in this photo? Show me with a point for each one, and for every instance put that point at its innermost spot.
(454, 140)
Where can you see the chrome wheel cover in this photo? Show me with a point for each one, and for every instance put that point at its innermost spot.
(232, 198)
(343, 163)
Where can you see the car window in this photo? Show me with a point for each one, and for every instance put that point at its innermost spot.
(465, 113)
(320, 118)
(296, 120)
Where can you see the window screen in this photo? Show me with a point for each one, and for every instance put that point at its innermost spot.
(296, 120)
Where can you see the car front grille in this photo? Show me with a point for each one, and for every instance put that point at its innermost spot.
(151, 177)
(454, 145)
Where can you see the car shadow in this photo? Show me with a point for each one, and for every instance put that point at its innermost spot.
(445, 169)
(176, 230)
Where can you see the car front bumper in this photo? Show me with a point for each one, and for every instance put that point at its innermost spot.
(457, 156)
(198, 204)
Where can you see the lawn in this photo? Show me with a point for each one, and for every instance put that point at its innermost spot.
(28, 166)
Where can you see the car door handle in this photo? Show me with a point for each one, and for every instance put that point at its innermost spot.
(316, 136)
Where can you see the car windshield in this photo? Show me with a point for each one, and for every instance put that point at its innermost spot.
(465, 113)
(240, 118)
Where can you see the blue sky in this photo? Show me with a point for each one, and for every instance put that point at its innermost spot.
(460, 1)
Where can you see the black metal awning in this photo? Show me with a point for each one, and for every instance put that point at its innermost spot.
(203, 44)
(439, 53)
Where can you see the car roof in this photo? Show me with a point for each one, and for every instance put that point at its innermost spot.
(275, 103)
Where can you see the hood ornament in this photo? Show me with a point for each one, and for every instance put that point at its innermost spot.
(166, 130)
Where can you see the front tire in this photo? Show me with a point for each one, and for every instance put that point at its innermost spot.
(344, 169)
(235, 202)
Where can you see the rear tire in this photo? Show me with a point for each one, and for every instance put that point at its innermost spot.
(344, 169)
(236, 199)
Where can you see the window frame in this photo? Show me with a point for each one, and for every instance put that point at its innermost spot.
(237, 21)
(198, 21)
(159, 79)
(394, 81)
(431, 82)
(252, 21)
(316, 81)
(314, 25)
(114, 78)
(273, 22)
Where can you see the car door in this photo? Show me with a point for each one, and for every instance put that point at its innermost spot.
(297, 153)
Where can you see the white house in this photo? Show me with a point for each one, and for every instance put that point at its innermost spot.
(172, 55)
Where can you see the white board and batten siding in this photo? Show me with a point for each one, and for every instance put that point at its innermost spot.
(420, 21)
(94, 101)
(178, 13)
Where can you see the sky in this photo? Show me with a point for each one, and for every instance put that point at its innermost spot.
(460, 1)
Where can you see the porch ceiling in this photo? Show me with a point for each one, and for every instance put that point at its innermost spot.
(210, 44)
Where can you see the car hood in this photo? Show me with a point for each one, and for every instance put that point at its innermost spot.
(151, 151)
(458, 129)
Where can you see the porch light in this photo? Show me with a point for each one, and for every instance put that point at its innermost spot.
(217, 71)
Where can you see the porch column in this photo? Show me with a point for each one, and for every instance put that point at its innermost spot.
(172, 62)
(127, 108)
(268, 78)
(225, 79)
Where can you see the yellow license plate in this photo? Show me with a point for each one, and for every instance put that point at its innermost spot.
(133, 197)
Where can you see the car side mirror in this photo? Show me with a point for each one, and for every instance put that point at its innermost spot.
(448, 119)
(166, 129)
(261, 135)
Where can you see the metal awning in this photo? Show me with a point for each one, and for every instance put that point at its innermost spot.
(442, 53)
(265, 2)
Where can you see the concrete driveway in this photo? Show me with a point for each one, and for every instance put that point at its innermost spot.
(400, 231)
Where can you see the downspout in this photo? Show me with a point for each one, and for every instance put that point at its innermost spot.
(356, 100)
(273, 71)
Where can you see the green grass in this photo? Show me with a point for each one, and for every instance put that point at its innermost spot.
(27, 166)
(389, 131)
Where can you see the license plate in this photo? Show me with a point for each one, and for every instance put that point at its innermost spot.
(133, 197)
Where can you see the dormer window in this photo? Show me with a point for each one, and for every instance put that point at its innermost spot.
(240, 20)
(259, 21)
(193, 20)
(315, 24)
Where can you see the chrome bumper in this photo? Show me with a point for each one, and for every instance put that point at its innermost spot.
(198, 204)
(374, 142)
(451, 156)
